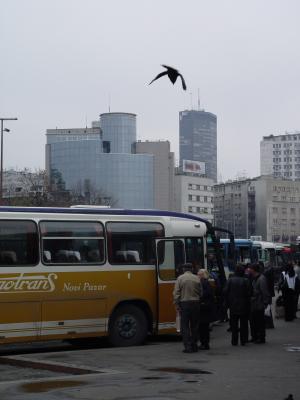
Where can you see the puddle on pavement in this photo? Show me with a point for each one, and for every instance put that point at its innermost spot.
(295, 348)
(153, 377)
(145, 398)
(181, 370)
(45, 386)
(42, 365)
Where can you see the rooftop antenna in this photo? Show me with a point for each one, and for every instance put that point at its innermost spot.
(198, 99)
(109, 103)
(86, 121)
(191, 95)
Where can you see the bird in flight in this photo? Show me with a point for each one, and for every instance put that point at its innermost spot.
(172, 75)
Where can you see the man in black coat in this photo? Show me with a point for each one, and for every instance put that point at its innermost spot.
(206, 309)
(260, 299)
(237, 297)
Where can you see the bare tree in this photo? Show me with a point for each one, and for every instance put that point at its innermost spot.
(86, 192)
(27, 188)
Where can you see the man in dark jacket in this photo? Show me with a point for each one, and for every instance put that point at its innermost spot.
(206, 308)
(237, 297)
(260, 299)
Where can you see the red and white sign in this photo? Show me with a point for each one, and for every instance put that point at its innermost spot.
(196, 167)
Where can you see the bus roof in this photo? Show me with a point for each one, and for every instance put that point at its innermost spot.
(263, 244)
(237, 241)
(102, 211)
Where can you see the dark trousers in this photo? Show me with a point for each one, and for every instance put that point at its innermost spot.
(204, 333)
(257, 324)
(190, 323)
(239, 323)
(290, 308)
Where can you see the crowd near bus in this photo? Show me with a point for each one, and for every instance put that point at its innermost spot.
(81, 272)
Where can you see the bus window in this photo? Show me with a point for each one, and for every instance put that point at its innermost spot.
(19, 245)
(169, 266)
(132, 242)
(194, 252)
(72, 242)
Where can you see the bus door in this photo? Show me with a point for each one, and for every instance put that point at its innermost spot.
(170, 257)
(224, 254)
(215, 264)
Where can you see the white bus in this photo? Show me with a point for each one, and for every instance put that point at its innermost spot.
(68, 273)
(265, 251)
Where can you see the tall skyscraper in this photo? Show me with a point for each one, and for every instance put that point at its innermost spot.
(198, 139)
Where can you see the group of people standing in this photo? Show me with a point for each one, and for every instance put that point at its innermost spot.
(247, 295)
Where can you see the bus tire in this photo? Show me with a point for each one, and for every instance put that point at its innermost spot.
(128, 326)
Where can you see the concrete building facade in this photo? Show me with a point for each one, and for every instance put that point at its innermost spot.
(234, 208)
(280, 156)
(164, 170)
(263, 206)
(194, 195)
(198, 139)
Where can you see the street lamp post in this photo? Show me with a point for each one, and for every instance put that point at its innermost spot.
(1, 158)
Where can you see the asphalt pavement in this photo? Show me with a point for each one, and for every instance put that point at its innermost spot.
(156, 371)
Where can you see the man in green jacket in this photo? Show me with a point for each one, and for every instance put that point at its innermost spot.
(187, 293)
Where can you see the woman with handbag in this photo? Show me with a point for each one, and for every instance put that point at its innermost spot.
(289, 285)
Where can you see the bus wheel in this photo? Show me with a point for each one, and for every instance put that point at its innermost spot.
(128, 326)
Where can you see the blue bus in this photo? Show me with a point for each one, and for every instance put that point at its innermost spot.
(243, 252)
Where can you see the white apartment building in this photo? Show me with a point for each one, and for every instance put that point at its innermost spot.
(280, 156)
(194, 195)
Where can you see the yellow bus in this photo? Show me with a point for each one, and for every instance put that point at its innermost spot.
(69, 273)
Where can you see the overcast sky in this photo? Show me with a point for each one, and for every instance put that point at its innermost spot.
(63, 62)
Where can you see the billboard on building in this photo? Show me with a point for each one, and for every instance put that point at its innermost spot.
(196, 167)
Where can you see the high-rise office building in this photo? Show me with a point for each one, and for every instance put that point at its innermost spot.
(198, 139)
(101, 158)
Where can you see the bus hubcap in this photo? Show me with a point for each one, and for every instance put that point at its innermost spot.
(127, 326)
